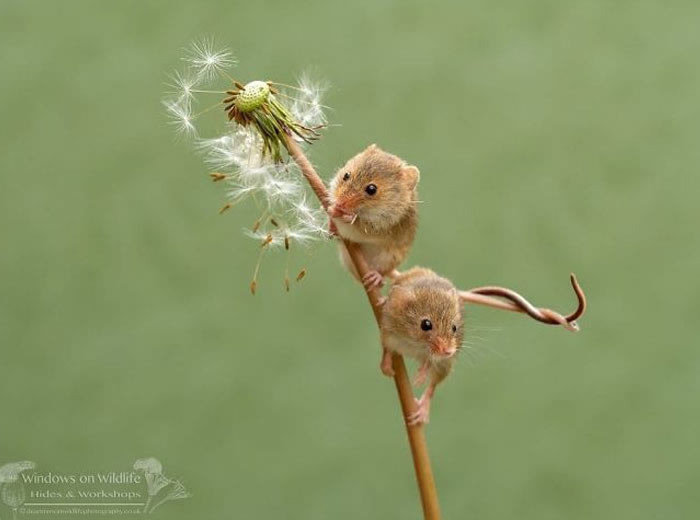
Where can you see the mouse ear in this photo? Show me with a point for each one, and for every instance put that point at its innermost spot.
(372, 148)
(412, 174)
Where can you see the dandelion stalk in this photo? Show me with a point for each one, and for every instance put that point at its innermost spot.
(416, 435)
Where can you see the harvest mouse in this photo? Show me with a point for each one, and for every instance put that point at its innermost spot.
(373, 203)
(422, 317)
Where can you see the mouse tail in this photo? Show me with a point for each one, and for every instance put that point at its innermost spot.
(507, 299)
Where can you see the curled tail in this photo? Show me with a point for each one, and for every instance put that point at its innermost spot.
(516, 302)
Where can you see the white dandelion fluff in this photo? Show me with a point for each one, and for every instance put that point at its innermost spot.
(280, 191)
(206, 61)
(313, 221)
(181, 118)
(306, 105)
(183, 85)
(241, 157)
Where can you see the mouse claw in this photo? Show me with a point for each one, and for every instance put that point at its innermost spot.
(373, 279)
(422, 413)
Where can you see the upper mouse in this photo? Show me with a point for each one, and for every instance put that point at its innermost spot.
(374, 190)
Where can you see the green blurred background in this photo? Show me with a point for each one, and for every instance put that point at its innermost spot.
(551, 136)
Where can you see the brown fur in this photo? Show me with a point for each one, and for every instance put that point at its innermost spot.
(417, 294)
(386, 222)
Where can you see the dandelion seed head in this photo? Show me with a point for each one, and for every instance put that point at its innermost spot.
(238, 154)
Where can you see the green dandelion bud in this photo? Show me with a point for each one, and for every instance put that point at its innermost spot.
(253, 95)
(255, 104)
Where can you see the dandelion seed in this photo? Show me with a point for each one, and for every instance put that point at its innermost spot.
(225, 207)
(217, 152)
(237, 193)
(300, 237)
(277, 191)
(180, 117)
(306, 106)
(238, 149)
(267, 239)
(216, 176)
(313, 222)
(206, 62)
(183, 85)
(301, 274)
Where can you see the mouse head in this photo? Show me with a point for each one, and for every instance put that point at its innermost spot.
(375, 187)
(430, 314)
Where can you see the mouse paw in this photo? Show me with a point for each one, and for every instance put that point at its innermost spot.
(385, 365)
(332, 229)
(373, 279)
(422, 413)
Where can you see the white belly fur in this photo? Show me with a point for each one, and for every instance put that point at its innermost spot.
(404, 346)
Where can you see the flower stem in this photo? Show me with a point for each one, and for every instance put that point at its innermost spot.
(416, 435)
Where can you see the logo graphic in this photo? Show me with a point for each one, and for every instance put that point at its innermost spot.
(156, 481)
(12, 490)
(27, 492)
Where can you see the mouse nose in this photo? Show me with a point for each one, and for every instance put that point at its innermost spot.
(442, 347)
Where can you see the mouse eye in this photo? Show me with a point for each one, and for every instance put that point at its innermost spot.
(346, 176)
(371, 189)
(454, 329)
(426, 325)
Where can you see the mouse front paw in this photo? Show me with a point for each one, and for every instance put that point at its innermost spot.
(373, 279)
(422, 413)
(385, 366)
(332, 229)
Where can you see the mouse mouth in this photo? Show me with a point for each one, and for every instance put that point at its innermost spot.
(441, 349)
(340, 212)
